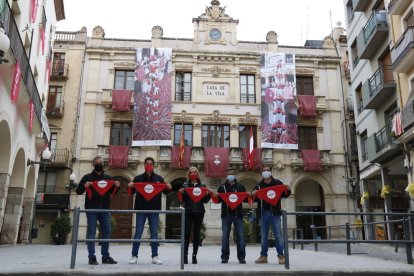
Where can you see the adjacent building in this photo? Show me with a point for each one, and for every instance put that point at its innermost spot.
(29, 26)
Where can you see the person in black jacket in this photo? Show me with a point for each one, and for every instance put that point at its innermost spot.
(230, 216)
(194, 213)
(97, 201)
(142, 204)
(270, 215)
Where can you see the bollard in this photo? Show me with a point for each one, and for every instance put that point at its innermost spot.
(407, 238)
(76, 213)
(348, 237)
(301, 237)
(314, 236)
(286, 239)
(294, 237)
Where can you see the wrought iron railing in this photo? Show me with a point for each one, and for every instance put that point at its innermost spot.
(377, 18)
(17, 47)
(402, 46)
(407, 115)
(378, 80)
(383, 138)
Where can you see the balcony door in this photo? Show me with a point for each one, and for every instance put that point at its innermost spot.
(307, 138)
(121, 134)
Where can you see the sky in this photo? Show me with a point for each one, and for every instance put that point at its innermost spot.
(293, 20)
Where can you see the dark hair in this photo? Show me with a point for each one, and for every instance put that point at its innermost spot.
(149, 158)
(231, 169)
(266, 166)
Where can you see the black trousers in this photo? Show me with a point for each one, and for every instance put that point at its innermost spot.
(193, 222)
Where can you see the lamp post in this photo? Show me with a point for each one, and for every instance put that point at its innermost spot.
(4, 45)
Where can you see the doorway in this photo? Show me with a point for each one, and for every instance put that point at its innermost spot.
(122, 201)
(173, 221)
(310, 198)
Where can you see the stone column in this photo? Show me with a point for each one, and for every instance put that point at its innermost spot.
(4, 186)
(26, 227)
(12, 215)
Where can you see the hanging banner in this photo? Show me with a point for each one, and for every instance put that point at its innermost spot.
(17, 77)
(152, 97)
(31, 115)
(279, 111)
(33, 10)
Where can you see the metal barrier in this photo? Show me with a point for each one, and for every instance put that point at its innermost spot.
(75, 228)
(408, 222)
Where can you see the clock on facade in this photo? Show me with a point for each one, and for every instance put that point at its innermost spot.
(215, 34)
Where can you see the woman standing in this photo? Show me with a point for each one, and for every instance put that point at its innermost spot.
(194, 195)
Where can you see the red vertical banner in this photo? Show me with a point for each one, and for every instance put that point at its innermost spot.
(17, 77)
(31, 115)
(182, 148)
(48, 69)
(251, 146)
(33, 10)
(42, 37)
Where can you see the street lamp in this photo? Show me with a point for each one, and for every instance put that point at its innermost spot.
(46, 154)
(4, 45)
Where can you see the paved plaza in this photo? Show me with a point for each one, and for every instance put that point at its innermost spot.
(329, 260)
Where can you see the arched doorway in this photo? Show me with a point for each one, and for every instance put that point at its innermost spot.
(309, 197)
(122, 201)
(5, 149)
(173, 221)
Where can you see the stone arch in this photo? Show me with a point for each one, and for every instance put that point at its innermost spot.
(5, 147)
(119, 172)
(5, 160)
(327, 189)
(14, 202)
(249, 179)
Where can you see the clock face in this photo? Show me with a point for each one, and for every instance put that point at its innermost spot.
(215, 34)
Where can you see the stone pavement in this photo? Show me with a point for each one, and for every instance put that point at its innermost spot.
(329, 260)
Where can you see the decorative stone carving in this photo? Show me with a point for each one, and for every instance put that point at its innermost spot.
(248, 119)
(124, 64)
(184, 66)
(215, 11)
(157, 32)
(250, 69)
(271, 37)
(304, 71)
(98, 32)
(215, 71)
(234, 126)
(216, 118)
(279, 166)
(328, 42)
(183, 117)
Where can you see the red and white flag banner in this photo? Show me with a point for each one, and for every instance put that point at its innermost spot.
(271, 194)
(234, 199)
(101, 186)
(17, 77)
(196, 194)
(148, 190)
(31, 115)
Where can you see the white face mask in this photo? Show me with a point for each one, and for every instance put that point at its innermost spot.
(266, 174)
(231, 178)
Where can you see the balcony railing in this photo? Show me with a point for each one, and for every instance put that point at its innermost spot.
(17, 47)
(360, 5)
(407, 115)
(350, 106)
(60, 70)
(59, 158)
(374, 33)
(402, 53)
(397, 7)
(107, 97)
(133, 155)
(377, 18)
(297, 163)
(56, 112)
(383, 138)
(379, 87)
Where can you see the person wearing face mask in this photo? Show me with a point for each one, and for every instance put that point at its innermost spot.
(231, 216)
(143, 204)
(96, 199)
(194, 212)
(270, 215)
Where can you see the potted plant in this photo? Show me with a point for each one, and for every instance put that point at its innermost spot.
(60, 229)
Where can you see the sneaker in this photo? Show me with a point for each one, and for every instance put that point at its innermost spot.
(261, 260)
(93, 261)
(133, 260)
(281, 259)
(109, 260)
(224, 261)
(157, 261)
(194, 261)
(242, 261)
